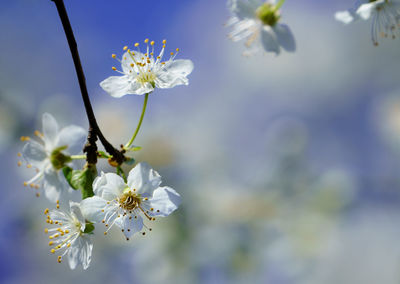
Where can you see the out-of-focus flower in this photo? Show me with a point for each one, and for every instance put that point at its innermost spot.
(142, 73)
(50, 154)
(385, 15)
(124, 204)
(72, 234)
(258, 22)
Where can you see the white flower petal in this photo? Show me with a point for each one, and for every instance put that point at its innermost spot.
(269, 40)
(80, 252)
(113, 188)
(365, 11)
(76, 210)
(165, 200)
(129, 225)
(72, 136)
(144, 179)
(92, 207)
(345, 17)
(98, 183)
(285, 37)
(50, 130)
(53, 186)
(246, 9)
(117, 86)
(141, 89)
(182, 67)
(34, 154)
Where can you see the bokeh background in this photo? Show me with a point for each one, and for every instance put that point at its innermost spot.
(288, 166)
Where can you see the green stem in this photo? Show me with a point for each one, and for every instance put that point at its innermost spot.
(78, 157)
(146, 97)
(279, 5)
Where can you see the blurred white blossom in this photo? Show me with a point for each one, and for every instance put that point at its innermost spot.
(258, 22)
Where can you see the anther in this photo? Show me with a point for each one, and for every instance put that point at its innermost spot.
(25, 183)
(59, 259)
(136, 44)
(177, 50)
(172, 53)
(19, 163)
(146, 40)
(103, 221)
(52, 250)
(164, 41)
(113, 68)
(68, 245)
(105, 233)
(129, 230)
(127, 239)
(132, 64)
(19, 154)
(29, 166)
(51, 243)
(144, 233)
(125, 47)
(158, 211)
(46, 230)
(114, 56)
(66, 231)
(152, 42)
(46, 211)
(37, 194)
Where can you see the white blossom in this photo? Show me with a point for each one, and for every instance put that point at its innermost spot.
(385, 16)
(143, 72)
(71, 234)
(257, 21)
(50, 153)
(125, 204)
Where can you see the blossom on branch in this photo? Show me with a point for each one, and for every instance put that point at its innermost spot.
(71, 234)
(385, 15)
(258, 22)
(143, 72)
(126, 204)
(50, 154)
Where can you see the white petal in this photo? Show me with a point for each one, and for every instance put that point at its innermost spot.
(72, 136)
(285, 37)
(345, 17)
(76, 210)
(117, 86)
(246, 9)
(269, 40)
(141, 89)
(50, 130)
(129, 225)
(80, 252)
(182, 67)
(365, 11)
(53, 187)
(92, 207)
(113, 188)
(166, 200)
(98, 183)
(34, 154)
(144, 179)
(126, 62)
(60, 216)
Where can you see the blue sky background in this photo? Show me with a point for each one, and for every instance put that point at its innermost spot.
(287, 165)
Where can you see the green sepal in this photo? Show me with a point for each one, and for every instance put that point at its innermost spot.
(89, 228)
(134, 148)
(58, 159)
(67, 171)
(83, 180)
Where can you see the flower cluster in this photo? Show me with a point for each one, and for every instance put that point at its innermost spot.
(110, 198)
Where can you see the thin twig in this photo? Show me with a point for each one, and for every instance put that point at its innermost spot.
(94, 131)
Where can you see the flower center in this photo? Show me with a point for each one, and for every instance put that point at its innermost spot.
(267, 14)
(58, 159)
(146, 77)
(129, 201)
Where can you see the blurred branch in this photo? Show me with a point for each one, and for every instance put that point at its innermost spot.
(94, 131)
